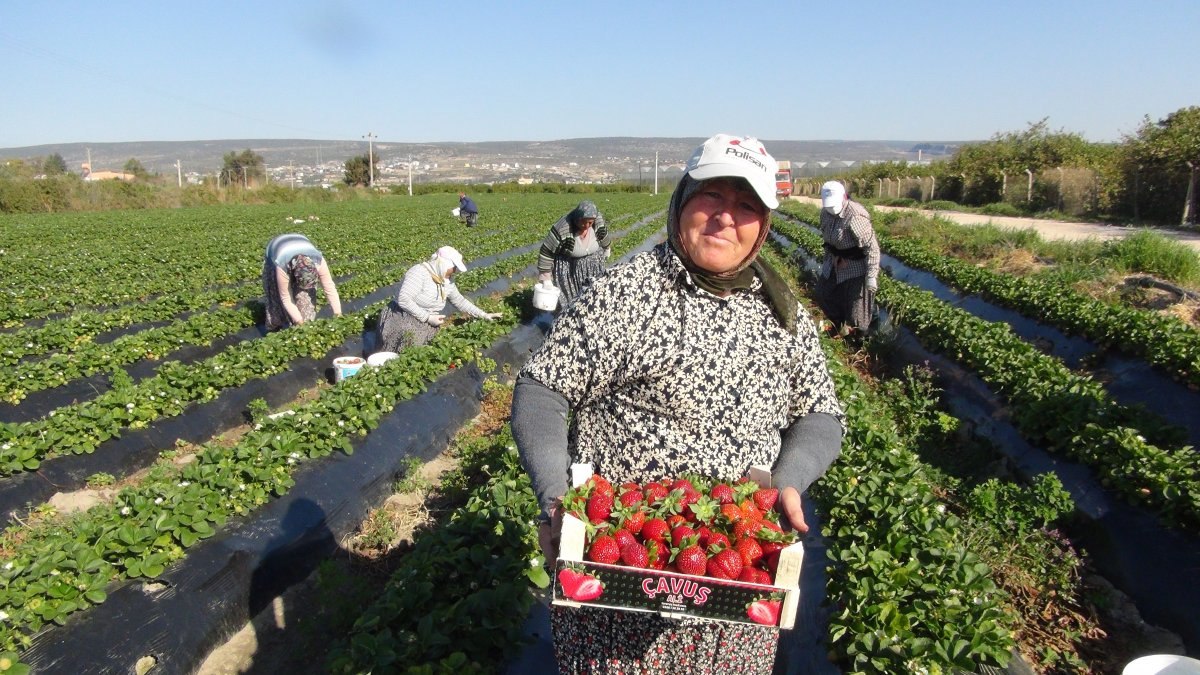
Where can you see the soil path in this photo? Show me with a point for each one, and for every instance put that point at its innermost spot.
(1048, 229)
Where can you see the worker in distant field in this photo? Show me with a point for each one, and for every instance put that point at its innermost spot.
(574, 251)
(413, 317)
(292, 268)
(850, 270)
(468, 212)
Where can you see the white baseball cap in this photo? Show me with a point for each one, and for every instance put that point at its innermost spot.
(738, 156)
(450, 253)
(832, 195)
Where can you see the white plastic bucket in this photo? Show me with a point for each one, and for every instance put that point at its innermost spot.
(455, 211)
(380, 358)
(345, 366)
(545, 296)
(1162, 664)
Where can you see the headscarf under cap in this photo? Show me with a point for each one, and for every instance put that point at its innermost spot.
(779, 296)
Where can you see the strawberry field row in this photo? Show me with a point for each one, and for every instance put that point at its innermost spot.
(1163, 341)
(124, 257)
(82, 427)
(223, 482)
(1069, 414)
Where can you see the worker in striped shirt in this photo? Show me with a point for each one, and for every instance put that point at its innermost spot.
(575, 251)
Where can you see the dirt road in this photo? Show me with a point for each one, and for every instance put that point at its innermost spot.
(1048, 229)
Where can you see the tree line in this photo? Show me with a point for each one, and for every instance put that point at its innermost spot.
(1150, 176)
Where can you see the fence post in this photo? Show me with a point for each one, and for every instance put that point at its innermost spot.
(1061, 199)
(1189, 203)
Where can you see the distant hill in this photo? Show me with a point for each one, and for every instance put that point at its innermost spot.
(208, 156)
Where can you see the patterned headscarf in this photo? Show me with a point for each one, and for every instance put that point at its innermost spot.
(585, 210)
(303, 271)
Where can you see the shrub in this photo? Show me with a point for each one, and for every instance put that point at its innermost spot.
(1001, 209)
(942, 205)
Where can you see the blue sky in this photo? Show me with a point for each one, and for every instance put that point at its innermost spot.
(111, 71)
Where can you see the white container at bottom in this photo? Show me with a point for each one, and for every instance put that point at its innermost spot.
(545, 296)
(1162, 664)
(345, 366)
(380, 358)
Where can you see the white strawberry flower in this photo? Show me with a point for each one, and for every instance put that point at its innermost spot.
(158, 500)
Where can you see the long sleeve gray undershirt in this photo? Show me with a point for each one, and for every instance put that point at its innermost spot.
(539, 424)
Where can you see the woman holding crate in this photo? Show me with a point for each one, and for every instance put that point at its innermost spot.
(694, 357)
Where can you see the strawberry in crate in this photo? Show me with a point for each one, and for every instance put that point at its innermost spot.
(690, 524)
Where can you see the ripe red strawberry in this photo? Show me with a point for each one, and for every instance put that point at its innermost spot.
(771, 525)
(769, 547)
(599, 507)
(722, 493)
(683, 484)
(765, 612)
(679, 532)
(727, 564)
(703, 510)
(686, 501)
(764, 498)
(746, 528)
(755, 575)
(658, 553)
(624, 538)
(632, 520)
(772, 562)
(691, 560)
(718, 540)
(655, 492)
(749, 549)
(675, 520)
(604, 550)
(656, 529)
(600, 485)
(635, 555)
(631, 497)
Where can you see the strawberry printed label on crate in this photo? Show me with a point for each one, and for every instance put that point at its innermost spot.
(682, 547)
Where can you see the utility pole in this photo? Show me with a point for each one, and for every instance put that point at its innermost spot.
(179, 173)
(655, 172)
(371, 158)
(410, 174)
